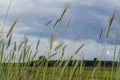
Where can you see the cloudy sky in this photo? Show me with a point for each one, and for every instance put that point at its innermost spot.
(87, 19)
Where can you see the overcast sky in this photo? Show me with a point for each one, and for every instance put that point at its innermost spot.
(88, 17)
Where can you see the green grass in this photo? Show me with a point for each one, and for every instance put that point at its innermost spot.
(52, 73)
(24, 53)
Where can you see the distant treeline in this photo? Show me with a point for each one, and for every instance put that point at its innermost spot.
(87, 63)
(51, 63)
(42, 61)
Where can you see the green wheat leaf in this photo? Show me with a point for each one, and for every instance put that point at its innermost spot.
(13, 25)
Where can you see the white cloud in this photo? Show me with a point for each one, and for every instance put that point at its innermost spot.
(90, 50)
